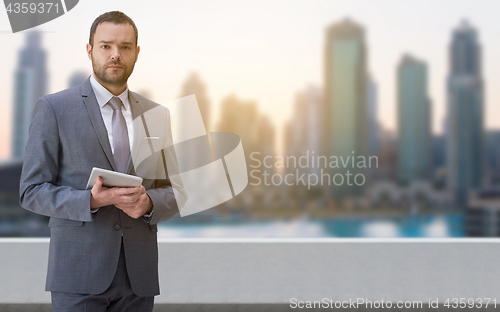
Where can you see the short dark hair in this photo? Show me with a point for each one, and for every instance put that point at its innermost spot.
(115, 17)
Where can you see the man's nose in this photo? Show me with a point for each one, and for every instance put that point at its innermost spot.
(115, 54)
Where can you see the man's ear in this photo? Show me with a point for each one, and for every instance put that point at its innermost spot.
(137, 56)
(89, 51)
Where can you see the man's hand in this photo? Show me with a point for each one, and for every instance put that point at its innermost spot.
(134, 201)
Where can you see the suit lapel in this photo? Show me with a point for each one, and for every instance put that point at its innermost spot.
(95, 116)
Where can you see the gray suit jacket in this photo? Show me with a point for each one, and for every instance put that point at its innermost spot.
(67, 139)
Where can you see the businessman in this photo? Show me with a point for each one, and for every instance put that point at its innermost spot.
(103, 252)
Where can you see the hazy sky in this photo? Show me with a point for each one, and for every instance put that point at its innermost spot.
(265, 51)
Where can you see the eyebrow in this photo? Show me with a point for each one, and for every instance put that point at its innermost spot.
(126, 42)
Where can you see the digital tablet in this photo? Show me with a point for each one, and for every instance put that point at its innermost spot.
(113, 178)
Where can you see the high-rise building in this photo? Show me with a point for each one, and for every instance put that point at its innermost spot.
(315, 126)
(197, 151)
(30, 83)
(465, 135)
(373, 127)
(492, 150)
(414, 121)
(387, 157)
(77, 78)
(438, 153)
(265, 136)
(345, 99)
(194, 85)
(241, 117)
(306, 130)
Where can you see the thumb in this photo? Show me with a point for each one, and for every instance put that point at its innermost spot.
(98, 182)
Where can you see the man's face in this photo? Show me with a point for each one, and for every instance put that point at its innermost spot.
(114, 53)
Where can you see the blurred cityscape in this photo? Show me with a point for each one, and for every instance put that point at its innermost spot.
(340, 173)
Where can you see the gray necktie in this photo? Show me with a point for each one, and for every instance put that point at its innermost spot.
(121, 144)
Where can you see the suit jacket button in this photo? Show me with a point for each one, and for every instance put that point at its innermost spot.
(117, 226)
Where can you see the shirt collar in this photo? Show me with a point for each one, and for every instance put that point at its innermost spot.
(103, 95)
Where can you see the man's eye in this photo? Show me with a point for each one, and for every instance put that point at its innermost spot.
(126, 47)
(105, 46)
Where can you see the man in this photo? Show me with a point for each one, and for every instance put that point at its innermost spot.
(103, 252)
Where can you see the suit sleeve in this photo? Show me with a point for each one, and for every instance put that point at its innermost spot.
(168, 194)
(38, 190)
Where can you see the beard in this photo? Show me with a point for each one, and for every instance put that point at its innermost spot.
(116, 79)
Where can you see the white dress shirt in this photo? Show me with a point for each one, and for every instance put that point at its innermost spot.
(103, 96)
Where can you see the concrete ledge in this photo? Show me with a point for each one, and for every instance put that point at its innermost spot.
(241, 273)
(236, 308)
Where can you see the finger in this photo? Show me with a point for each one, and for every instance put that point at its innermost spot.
(128, 201)
(97, 188)
(130, 198)
(127, 190)
(98, 183)
(133, 200)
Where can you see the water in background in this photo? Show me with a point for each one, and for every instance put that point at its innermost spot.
(442, 225)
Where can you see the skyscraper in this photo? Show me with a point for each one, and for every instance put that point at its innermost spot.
(345, 96)
(194, 85)
(77, 78)
(414, 121)
(373, 128)
(197, 151)
(315, 128)
(306, 131)
(30, 83)
(241, 117)
(465, 114)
